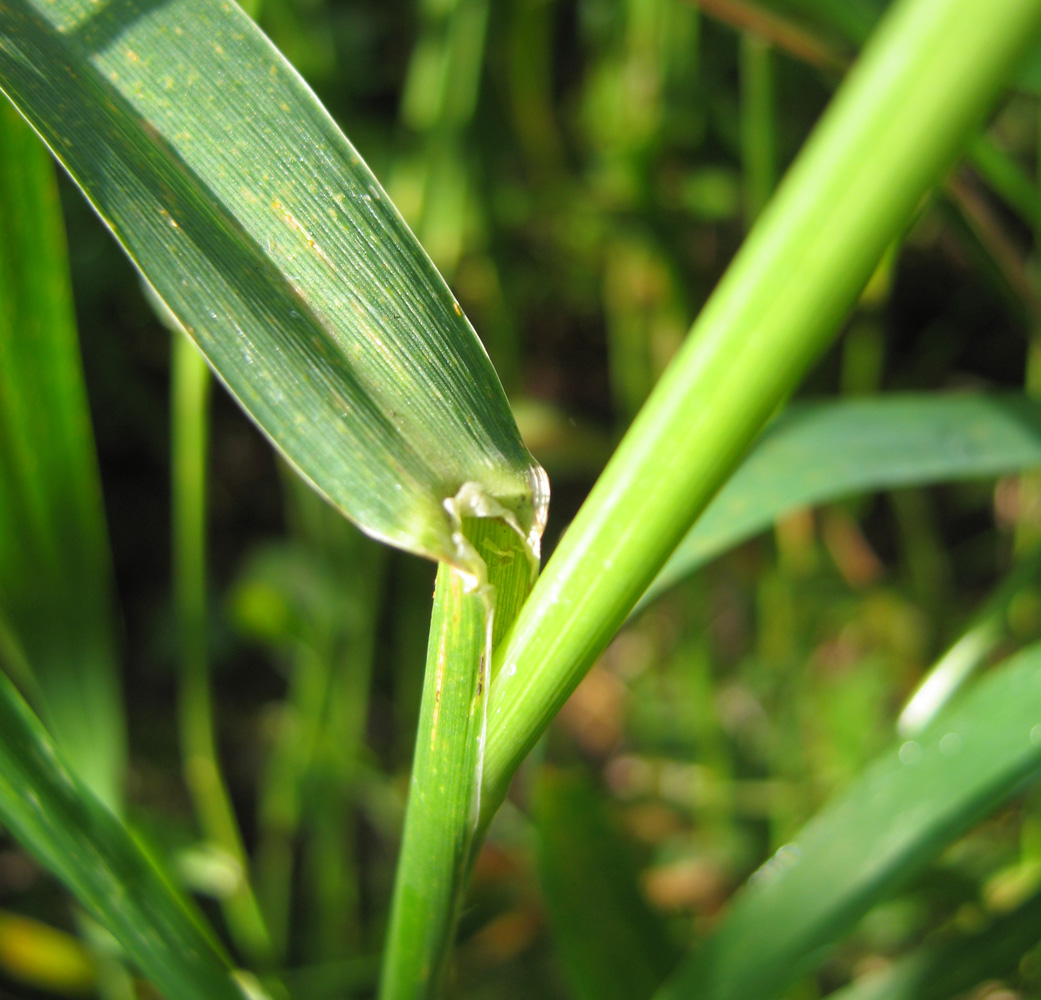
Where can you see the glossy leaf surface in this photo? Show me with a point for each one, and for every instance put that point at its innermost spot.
(259, 226)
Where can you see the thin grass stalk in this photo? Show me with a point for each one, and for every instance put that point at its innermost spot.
(758, 125)
(1008, 180)
(444, 795)
(202, 774)
(920, 89)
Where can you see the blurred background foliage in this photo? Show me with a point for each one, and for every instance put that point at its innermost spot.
(581, 173)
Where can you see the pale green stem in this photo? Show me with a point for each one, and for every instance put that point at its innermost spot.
(921, 87)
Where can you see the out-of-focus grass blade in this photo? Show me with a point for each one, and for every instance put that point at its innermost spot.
(854, 21)
(272, 243)
(611, 945)
(55, 575)
(952, 966)
(314, 600)
(190, 393)
(889, 824)
(81, 842)
(819, 452)
(989, 627)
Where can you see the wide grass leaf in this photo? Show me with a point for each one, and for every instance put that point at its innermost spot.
(55, 572)
(260, 227)
(817, 452)
(893, 820)
(78, 839)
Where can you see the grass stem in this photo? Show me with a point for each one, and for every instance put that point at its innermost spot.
(443, 804)
(191, 385)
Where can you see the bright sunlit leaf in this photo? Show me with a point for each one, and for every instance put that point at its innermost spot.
(269, 239)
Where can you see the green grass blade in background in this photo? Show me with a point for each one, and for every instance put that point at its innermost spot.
(56, 590)
(610, 943)
(919, 91)
(81, 842)
(953, 965)
(893, 820)
(315, 599)
(820, 452)
(988, 629)
(190, 394)
(259, 226)
(758, 125)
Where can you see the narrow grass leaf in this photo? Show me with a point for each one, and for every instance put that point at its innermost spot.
(81, 842)
(894, 819)
(611, 945)
(189, 418)
(814, 453)
(990, 626)
(257, 223)
(954, 964)
(55, 574)
(315, 599)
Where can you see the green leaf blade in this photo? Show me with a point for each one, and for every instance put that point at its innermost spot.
(260, 227)
(814, 453)
(896, 817)
(56, 585)
(81, 842)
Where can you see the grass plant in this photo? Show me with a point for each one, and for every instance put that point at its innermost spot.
(274, 256)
